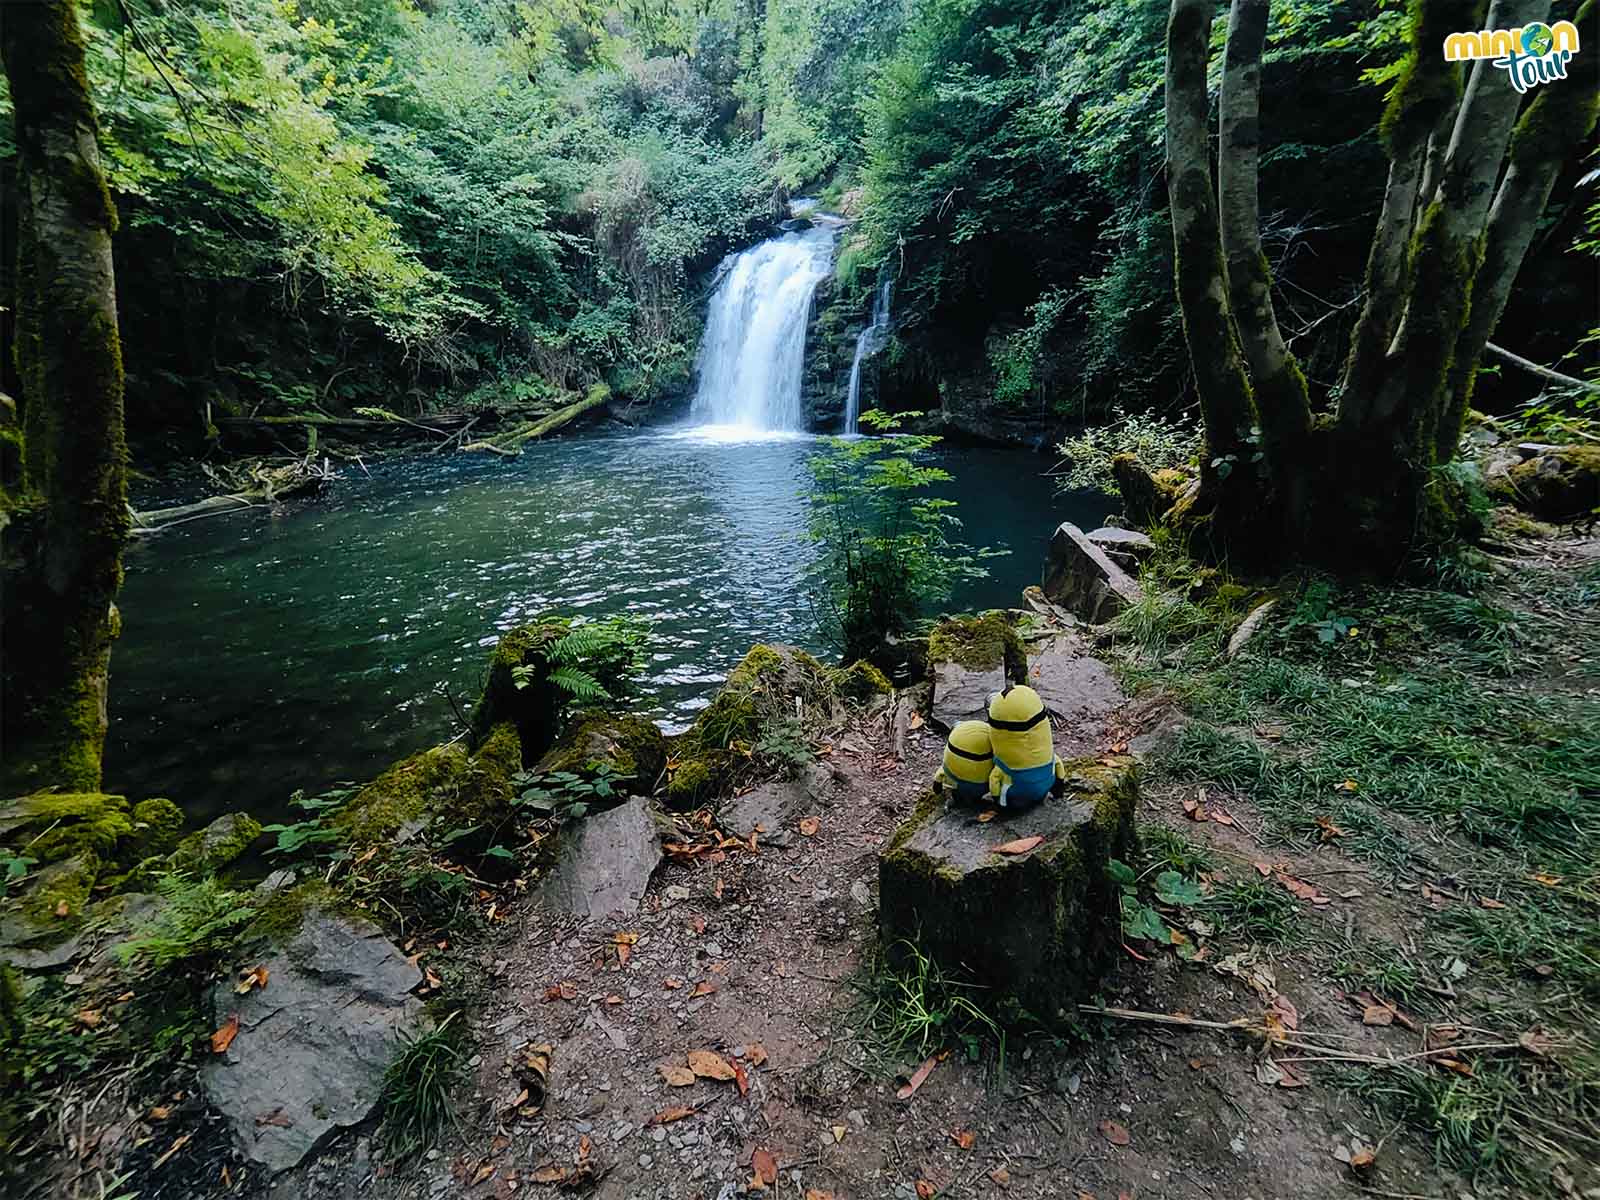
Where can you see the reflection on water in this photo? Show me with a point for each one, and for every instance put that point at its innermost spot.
(267, 652)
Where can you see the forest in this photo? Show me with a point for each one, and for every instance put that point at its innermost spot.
(856, 598)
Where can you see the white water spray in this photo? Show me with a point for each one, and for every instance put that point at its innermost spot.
(753, 354)
(869, 343)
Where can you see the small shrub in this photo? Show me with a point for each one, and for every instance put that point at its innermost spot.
(1159, 442)
(417, 1086)
(198, 920)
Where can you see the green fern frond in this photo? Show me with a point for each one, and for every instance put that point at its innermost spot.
(579, 683)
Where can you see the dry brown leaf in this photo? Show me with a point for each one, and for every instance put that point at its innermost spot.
(756, 1053)
(741, 1080)
(1459, 1066)
(1020, 846)
(1001, 1176)
(810, 825)
(1537, 1041)
(485, 1169)
(671, 983)
(89, 1018)
(1220, 815)
(915, 722)
(917, 1078)
(964, 1138)
(223, 1038)
(704, 988)
(624, 942)
(818, 1194)
(1328, 830)
(256, 977)
(988, 815)
(1116, 1134)
(668, 1115)
(1264, 869)
(926, 1190)
(160, 1112)
(1377, 1014)
(1489, 902)
(1547, 880)
(765, 1165)
(613, 1000)
(675, 1075)
(708, 1064)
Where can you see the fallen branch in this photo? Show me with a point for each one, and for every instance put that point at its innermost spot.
(510, 444)
(1534, 368)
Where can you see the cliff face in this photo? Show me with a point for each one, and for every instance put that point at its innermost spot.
(830, 346)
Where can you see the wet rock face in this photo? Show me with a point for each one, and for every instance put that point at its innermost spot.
(1080, 576)
(606, 862)
(313, 1045)
(1036, 929)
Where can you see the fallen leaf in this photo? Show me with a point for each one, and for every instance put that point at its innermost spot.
(1489, 902)
(223, 1038)
(1199, 1064)
(671, 984)
(256, 977)
(964, 1138)
(988, 815)
(838, 1132)
(485, 1169)
(160, 1112)
(63, 909)
(810, 825)
(1547, 880)
(1020, 846)
(1302, 889)
(1291, 1077)
(1328, 829)
(917, 1078)
(675, 1075)
(89, 1018)
(926, 1190)
(704, 988)
(1377, 1014)
(434, 982)
(1349, 785)
(1116, 1134)
(1221, 815)
(756, 1053)
(277, 1117)
(1537, 1041)
(1262, 868)
(741, 1080)
(1001, 1176)
(668, 1115)
(1457, 1065)
(533, 1073)
(624, 942)
(613, 1000)
(915, 722)
(1194, 810)
(765, 1166)
(1286, 1011)
(708, 1064)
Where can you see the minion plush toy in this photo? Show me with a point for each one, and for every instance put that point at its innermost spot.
(1025, 764)
(967, 762)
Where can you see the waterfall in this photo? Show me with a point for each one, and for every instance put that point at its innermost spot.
(754, 349)
(869, 343)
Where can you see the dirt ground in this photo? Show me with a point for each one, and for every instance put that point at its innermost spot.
(756, 958)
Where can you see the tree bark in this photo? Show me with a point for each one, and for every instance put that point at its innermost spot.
(1558, 122)
(1277, 384)
(1220, 381)
(66, 519)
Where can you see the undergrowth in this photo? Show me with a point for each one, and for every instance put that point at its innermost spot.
(911, 1006)
(417, 1088)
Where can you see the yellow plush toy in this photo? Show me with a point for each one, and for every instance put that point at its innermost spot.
(1025, 764)
(967, 761)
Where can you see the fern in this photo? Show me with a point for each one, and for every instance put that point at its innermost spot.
(198, 919)
(583, 686)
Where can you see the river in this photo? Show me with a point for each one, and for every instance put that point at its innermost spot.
(265, 652)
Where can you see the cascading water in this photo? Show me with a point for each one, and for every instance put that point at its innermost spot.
(754, 349)
(869, 343)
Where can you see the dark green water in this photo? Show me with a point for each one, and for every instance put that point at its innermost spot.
(266, 652)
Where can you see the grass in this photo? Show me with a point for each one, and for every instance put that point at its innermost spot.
(1257, 909)
(417, 1088)
(912, 1007)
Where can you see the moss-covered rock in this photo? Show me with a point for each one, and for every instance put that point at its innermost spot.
(157, 829)
(861, 681)
(980, 643)
(59, 891)
(519, 690)
(631, 746)
(217, 846)
(56, 825)
(444, 782)
(1561, 484)
(1146, 495)
(1036, 930)
(694, 780)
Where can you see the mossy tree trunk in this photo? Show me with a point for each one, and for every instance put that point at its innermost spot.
(1355, 478)
(63, 507)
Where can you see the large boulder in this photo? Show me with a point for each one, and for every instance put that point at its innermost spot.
(218, 845)
(606, 860)
(1034, 930)
(632, 747)
(314, 1043)
(1079, 576)
(1125, 547)
(1555, 483)
(969, 659)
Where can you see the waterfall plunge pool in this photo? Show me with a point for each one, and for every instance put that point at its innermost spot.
(267, 651)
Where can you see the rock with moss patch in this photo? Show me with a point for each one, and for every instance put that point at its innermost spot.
(444, 782)
(313, 1045)
(861, 682)
(632, 747)
(219, 845)
(969, 659)
(157, 829)
(1558, 483)
(1035, 927)
(50, 826)
(60, 890)
(1082, 579)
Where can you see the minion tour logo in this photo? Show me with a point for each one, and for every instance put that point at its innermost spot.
(1533, 54)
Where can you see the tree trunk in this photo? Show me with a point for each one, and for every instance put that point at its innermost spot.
(1558, 122)
(1220, 380)
(1277, 384)
(66, 518)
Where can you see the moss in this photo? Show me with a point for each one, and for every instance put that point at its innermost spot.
(861, 681)
(157, 826)
(442, 782)
(218, 845)
(61, 890)
(979, 644)
(279, 917)
(58, 825)
(692, 782)
(631, 746)
(758, 664)
(1562, 484)
(927, 806)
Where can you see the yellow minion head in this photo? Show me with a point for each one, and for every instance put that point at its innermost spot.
(967, 759)
(1019, 729)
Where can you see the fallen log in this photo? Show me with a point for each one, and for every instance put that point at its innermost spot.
(510, 444)
(155, 520)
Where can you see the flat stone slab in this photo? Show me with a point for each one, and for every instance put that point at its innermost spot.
(1078, 689)
(962, 694)
(606, 863)
(769, 810)
(313, 1045)
(1079, 576)
(1035, 929)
